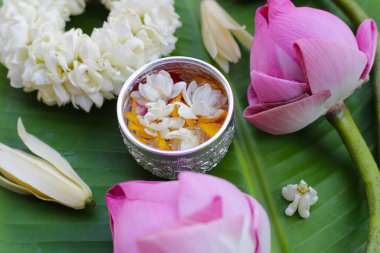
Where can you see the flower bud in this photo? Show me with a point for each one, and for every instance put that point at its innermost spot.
(46, 175)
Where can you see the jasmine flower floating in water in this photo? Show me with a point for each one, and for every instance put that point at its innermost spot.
(201, 100)
(157, 118)
(158, 86)
(187, 138)
(302, 195)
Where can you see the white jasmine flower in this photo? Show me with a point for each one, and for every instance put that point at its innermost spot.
(113, 79)
(108, 3)
(201, 101)
(157, 118)
(158, 86)
(160, 20)
(76, 7)
(86, 78)
(61, 94)
(68, 44)
(35, 74)
(46, 94)
(217, 26)
(188, 138)
(302, 195)
(18, 37)
(17, 63)
(89, 81)
(88, 50)
(159, 109)
(57, 65)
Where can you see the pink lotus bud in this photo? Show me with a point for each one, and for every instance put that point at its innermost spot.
(304, 61)
(196, 214)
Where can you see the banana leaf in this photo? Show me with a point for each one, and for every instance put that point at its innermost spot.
(258, 163)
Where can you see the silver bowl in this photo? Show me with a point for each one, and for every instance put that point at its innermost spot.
(168, 164)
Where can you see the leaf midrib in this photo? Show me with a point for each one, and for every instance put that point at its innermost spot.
(250, 154)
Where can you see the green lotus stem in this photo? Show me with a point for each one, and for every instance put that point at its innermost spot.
(355, 12)
(376, 92)
(352, 9)
(341, 119)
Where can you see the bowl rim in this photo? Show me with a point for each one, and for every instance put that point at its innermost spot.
(182, 59)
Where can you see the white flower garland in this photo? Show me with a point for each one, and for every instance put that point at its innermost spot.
(74, 67)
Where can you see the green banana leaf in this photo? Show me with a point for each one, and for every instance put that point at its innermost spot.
(258, 163)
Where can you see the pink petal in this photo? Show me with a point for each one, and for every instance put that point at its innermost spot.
(222, 235)
(291, 68)
(331, 66)
(205, 215)
(287, 25)
(260, 107)
(198, 190)
(281, 4)
(260, 226)
(251, 96)
(367, 41)
(290, 117)
(263, 53)
(166, 192)
(211, 212)
(267, 57)
(140, 208)
(271, 89)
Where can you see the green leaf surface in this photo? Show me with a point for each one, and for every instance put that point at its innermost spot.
(258, 163)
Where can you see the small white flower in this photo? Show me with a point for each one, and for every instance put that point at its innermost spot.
(47, 95)
(159, 109)
(76, 7)
(57, 65)
(88, 79)
(157, 118)
(35, 74)
(189, 139)
(18, 37)
(88, 50)
(108, 3)
(18, 65)
(201, 101)
(159, 22)
(302, 195)
(158, 86)
(217, 38)
(68, 44)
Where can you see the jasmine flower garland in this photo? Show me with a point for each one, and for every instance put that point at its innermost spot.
(71, 66)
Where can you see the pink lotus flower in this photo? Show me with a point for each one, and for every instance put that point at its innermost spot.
(304, 61)
(196, 214)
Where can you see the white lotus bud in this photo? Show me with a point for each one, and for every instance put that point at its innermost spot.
(217, 26)
(46, 175)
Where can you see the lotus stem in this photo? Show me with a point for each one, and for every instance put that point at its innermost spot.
(342, 120)
(356, 13)
(352, 9)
